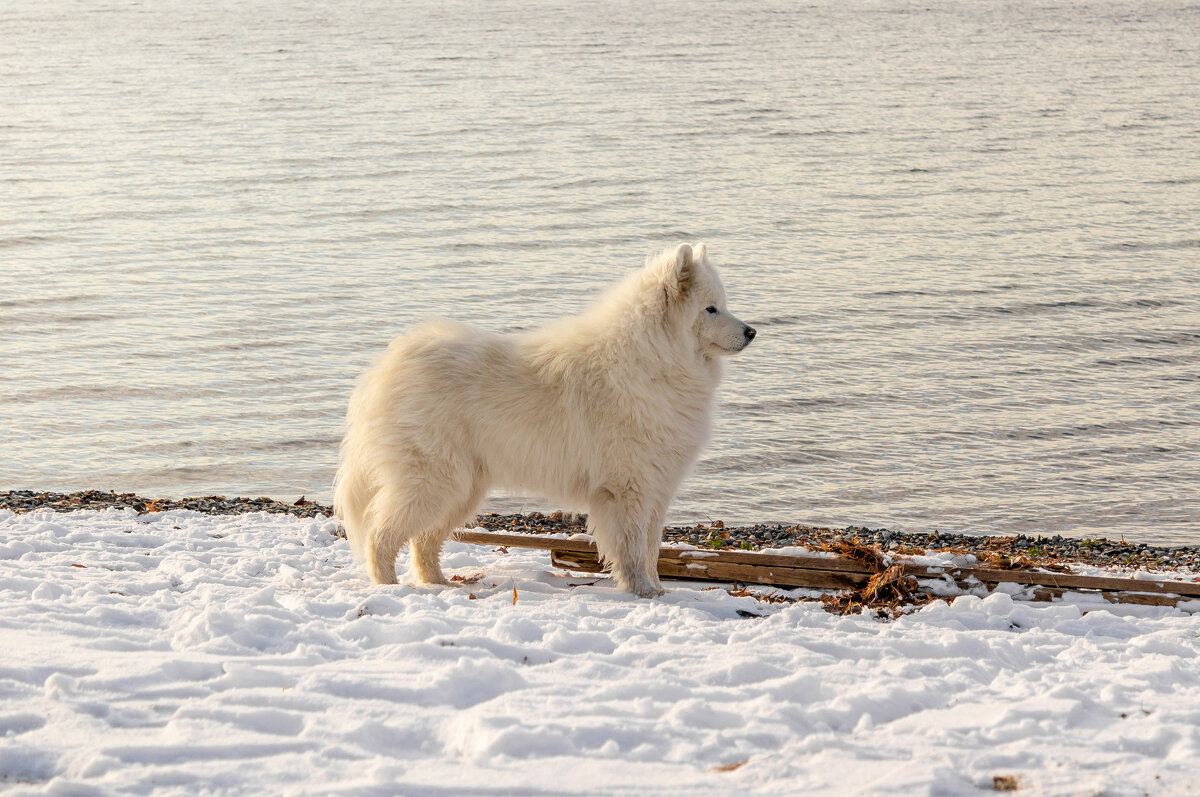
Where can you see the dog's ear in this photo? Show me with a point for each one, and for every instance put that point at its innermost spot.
(700, 253)
(681, 274)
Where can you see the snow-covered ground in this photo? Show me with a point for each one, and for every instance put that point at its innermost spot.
(178, 653)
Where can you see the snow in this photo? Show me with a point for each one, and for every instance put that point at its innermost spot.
(179, 653)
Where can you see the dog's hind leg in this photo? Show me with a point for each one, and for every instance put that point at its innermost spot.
(427, 547)
(398, 515)
(383, 545)
(427, 556)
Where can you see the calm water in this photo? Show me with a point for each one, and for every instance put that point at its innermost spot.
(967, 232)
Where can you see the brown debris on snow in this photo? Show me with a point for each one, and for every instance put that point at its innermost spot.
(889, 591)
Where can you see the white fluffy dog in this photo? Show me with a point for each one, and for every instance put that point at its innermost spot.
(604, 412)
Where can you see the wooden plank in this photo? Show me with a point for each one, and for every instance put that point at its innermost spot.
(1138, 598)
(821, 579)
(1060, 580)
(781, 567)
(717, 570)
(812, 562)
(525, 541)
(586, 562)
(834, 564)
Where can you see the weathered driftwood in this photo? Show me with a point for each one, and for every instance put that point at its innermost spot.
(717, 570)
(818, 571)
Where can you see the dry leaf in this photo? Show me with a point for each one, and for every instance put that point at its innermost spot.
(83, 566)
(471, 596)
(772, 597)
(1005, 782)
(471, 579)
(514, 596)
(731, 767)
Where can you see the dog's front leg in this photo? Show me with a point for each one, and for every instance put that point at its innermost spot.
(617, 521)
(654, 538)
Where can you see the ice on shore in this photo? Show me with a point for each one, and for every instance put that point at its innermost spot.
(180, 653)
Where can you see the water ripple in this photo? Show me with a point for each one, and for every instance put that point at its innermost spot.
(975, 278)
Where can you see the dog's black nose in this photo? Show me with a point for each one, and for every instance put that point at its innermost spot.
(750, 333)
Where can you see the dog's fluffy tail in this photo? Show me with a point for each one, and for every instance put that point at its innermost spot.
(351, 496)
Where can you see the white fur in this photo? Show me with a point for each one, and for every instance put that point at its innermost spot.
(603, 412)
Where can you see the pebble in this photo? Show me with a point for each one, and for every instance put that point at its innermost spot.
(26, 500)
(716, 534)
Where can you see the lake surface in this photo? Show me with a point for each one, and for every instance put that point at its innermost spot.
(968, 233)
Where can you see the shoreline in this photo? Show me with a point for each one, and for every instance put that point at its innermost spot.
(1028, 550)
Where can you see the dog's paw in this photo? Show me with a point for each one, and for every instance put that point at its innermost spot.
(639, 584)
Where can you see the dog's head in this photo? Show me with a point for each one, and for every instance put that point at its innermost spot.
(695, 297)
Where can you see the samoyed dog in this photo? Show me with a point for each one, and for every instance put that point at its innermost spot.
(603, 412)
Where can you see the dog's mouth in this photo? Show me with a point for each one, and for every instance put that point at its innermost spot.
(730, 349)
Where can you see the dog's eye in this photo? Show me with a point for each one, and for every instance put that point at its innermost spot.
(710, 309)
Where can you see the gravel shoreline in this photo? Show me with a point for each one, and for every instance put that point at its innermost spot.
(1031, 549)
